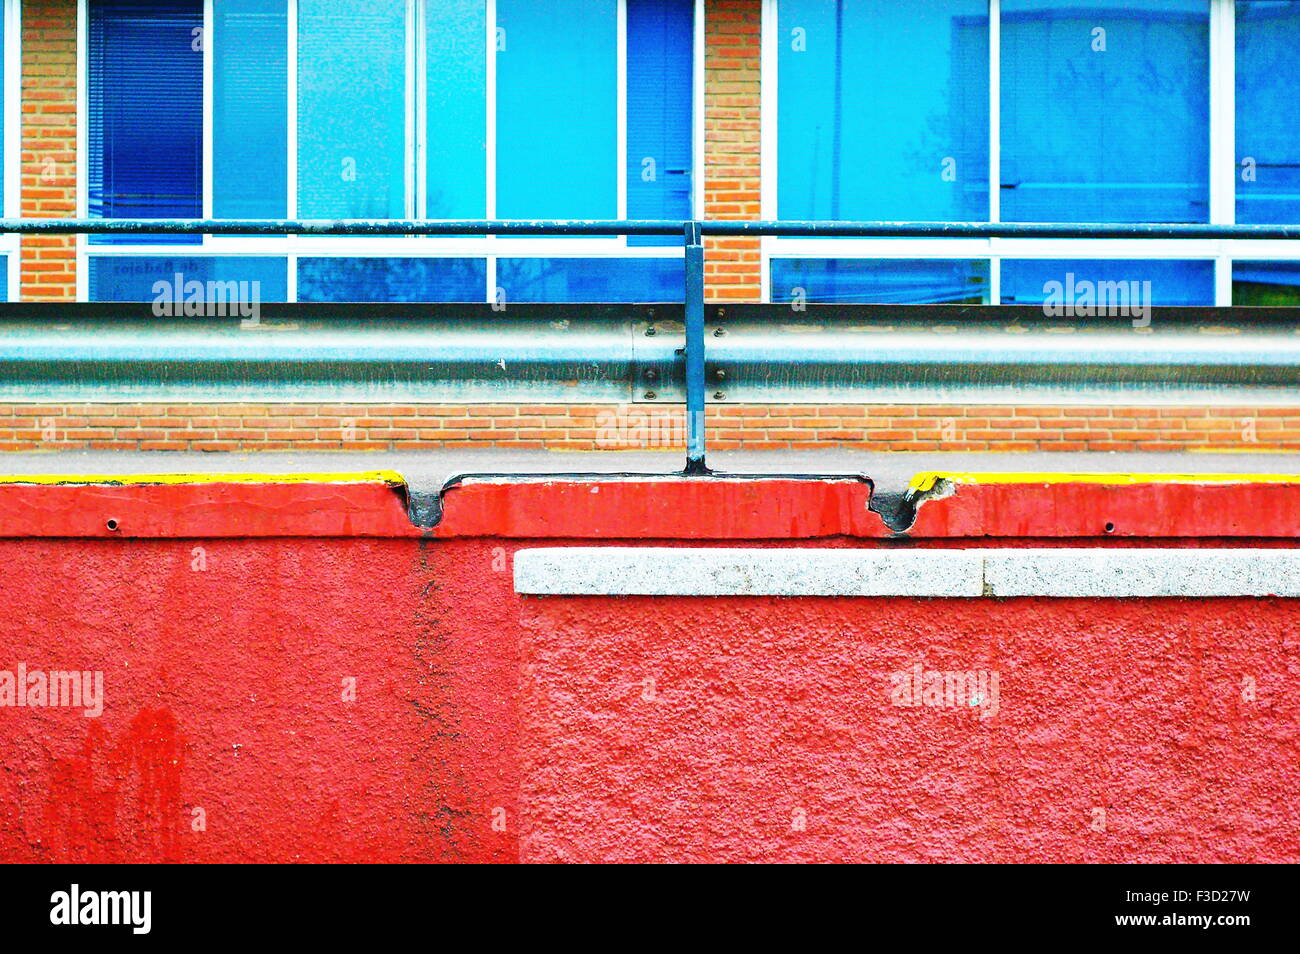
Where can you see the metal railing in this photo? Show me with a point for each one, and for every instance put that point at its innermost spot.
(692, 233)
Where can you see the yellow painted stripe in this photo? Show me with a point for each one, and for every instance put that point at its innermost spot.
(391, 477)
(926, 480)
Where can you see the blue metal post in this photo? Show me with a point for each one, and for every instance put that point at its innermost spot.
(694, 349)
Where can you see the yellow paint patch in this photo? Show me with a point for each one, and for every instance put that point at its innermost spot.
(391, 477)
(926, 480)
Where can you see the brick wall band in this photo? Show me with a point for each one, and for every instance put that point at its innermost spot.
(733, 272)
(49, 146)
(308, 427)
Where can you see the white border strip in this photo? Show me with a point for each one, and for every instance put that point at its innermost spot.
(1054, 572)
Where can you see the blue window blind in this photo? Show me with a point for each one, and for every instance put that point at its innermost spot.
(351, 108)
(660, 54)
(1268, 112)
(392, 279)
(144, 101)
(135, 278)
(1105, 110)
(250, 108)
(456, 149)
(591, 279)
(557, 109)
(883, 109)
(880, 281)
(1028, 281)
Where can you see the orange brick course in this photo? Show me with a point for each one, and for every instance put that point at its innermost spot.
(318, 427)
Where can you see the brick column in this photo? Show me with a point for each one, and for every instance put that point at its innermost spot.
(49, 145)
(732, 49)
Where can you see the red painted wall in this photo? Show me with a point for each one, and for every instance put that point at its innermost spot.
(693, 729)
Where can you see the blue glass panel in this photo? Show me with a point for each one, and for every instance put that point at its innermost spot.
(251, 109)
(1266, 283)
(1029, 281)
(392, 279)
(144, 110)
(591, 279)
(351, 108)
(1105, 111)
(883, 110)
(136, 278)
(2, 110)
(879, 281)
(1268, 112)
(660, 54)
(4, 277)
(457, 110)
(557, 109)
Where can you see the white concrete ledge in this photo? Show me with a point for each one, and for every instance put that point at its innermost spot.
(751, 571)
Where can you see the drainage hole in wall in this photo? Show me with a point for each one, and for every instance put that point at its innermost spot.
(112, 523)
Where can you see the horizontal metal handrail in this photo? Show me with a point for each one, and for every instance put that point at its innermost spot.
(692, 233)
(716, 227)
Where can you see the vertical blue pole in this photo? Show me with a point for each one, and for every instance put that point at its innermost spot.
(694, 350)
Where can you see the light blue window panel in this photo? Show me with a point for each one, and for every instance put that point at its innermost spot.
(883, 110)
(1266, 283)
(456, 154)
(879, 281)
(1027, 281)
(392, 279)
(591, 279)
(135, 278)
(557, 109)
(1268, 113)
(2, 107)
(660, 74)
(351, 108)
(250, 109)
(4, 277)
(1105, 111)
(144, 113)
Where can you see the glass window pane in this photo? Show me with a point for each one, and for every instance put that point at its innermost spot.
(591, 279)
(144, 105)
(4, 277)
(1105, 111)
(136, 278)
(351, 108)
(1096, 281)
(392, 279)
(250, 109)
(557, 109)
(880, 281)
(457, 110)
(2, 110)
(1266, 283)
(883, 110)
(660, 54)
(1268, 112)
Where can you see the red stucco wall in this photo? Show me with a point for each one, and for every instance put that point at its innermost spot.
(488, 726)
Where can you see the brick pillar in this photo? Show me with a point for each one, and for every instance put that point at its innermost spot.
(732, 50)
(49, 145)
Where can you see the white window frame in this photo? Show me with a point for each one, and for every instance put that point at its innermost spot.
(489, 248)
(1223, 178)
(11, 244)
